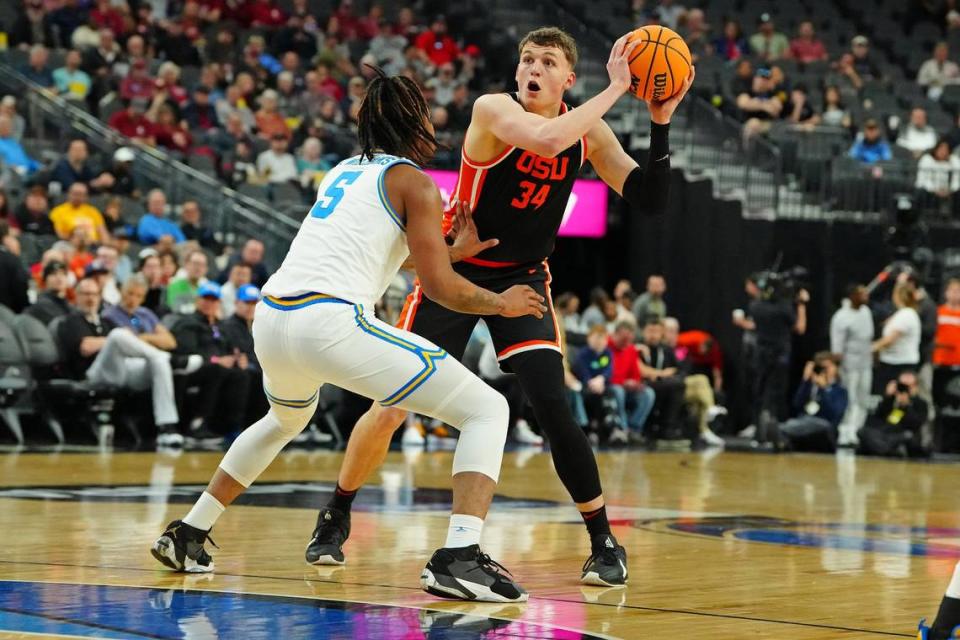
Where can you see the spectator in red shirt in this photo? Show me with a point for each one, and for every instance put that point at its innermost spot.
(369, 25)
(698, 357)
(406, 25)
(626, 381)
(324, 83)
(138, 83)
(264, 13)
(348, 25)
(191, 22)
(439, 46)
(701, 350)
(132, 122)
(169, 133)
(105, 16)
(806, 47)
(168, 77)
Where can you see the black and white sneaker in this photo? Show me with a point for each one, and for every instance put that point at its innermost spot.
(168, 436)
(326, 545)
(181, 548)
(607, 564)
(469, 574)
(202, 436)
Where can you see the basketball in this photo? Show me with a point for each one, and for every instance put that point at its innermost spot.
(660, 64)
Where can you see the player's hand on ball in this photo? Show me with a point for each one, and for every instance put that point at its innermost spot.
(662, 110)
(521, 300)
(618, 66)
(466, 241)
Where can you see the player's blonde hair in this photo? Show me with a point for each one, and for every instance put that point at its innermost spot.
(552, 37)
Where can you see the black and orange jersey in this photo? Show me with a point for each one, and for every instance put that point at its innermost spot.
(519, 198)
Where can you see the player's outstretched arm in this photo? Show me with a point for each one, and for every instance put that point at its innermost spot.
(416, 196)
(647, 190)
(501, 116)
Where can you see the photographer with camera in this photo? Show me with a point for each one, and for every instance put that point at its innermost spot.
(895, 426)
(819, 405)
(776, 316)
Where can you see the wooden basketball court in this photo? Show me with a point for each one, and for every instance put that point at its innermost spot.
(721, 545)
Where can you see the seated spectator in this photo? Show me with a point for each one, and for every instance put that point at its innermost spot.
(134, 51)
(240, 166)
(251, 254)
(194, 229)
(105, 16)
(895, 426)
(155, 224)
(818, 405)
(593, 367)
(444, 84)
(938, 72)
(807, 47)
(182, 292)
(567, 307)
(36, 69)
(169, 133)
(70, 80)
(240, 275)
(938, 172)
(238, 328)
(439, 47)
(760, 105)
(798, 110)
(270, 122)
(594, 314)
(199, 113)
(670, 13)
(6, 213)
(133, 123)
(768, 44)
(864, 62)
(13, 277)
(98, 351)
(75, 167)
(12, 152)
(224, 141)
(33, 214)
(124, 183)
(699, 360)
(870, 147)
(234, 103)
(918, 136)
(168, 85)
(137, 83)
(634, 399)
(834, 114)
(222, 400)
(107, 258)
(651, 305)
(731, 46)
(660, 370)
(98, 62)
(8, 108)
(311, 164)
(276, 164)
(290, 102)
(121, 242)
(152, 271)
(77, 250)
(76, 211)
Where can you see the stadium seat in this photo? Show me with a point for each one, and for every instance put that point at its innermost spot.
(15, 378)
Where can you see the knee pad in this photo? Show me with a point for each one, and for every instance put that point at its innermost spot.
(483, 431)
(289, 421)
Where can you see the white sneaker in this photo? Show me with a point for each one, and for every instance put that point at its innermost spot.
(523, 434)
(714, 411)
(412, 437)
(749, 432)
(319, 437)
(711, 439)
(618, 436)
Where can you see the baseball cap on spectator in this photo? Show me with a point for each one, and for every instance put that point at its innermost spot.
(209, 290)
(860, 40)
(871, 123)
(123, 154)
(248, 293)
(95, 268)
(52, 267)
(763, 72)
(764, 18)
(147, 252)
(472, 50)
(123, 231)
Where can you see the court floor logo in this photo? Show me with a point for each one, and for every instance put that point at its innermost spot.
(940, 542)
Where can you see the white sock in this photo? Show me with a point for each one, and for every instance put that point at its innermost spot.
(464, 531)
(204, 513)
(953, 591)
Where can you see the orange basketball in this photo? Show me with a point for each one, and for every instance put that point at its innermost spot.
(660, 64)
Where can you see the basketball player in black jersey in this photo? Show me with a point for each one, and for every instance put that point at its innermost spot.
(521, 155)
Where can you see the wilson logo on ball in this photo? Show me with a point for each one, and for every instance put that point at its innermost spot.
(659, 85)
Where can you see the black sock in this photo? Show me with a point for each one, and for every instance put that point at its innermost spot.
(342, 499)
(948, 617)
(596, 521)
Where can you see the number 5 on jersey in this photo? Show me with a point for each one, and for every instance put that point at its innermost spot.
(333, 195)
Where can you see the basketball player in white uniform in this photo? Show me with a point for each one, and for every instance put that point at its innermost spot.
(315, 325)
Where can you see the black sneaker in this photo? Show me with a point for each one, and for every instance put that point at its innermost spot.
(181, 548)
(607, 565)
(168, 436)
(203, 436)
(469, 574)
(326, 546)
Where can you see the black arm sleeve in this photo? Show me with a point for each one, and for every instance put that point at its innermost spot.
(648, 190)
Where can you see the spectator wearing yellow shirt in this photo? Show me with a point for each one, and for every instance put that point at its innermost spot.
(77, 210)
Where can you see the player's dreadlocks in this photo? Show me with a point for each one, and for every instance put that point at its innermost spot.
(393, 118)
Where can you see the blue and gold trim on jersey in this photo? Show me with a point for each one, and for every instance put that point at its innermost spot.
(382, 191)
(300, 301)
(428, 357)
(293, 404)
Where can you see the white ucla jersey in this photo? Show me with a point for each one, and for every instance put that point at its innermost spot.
(352, 242)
